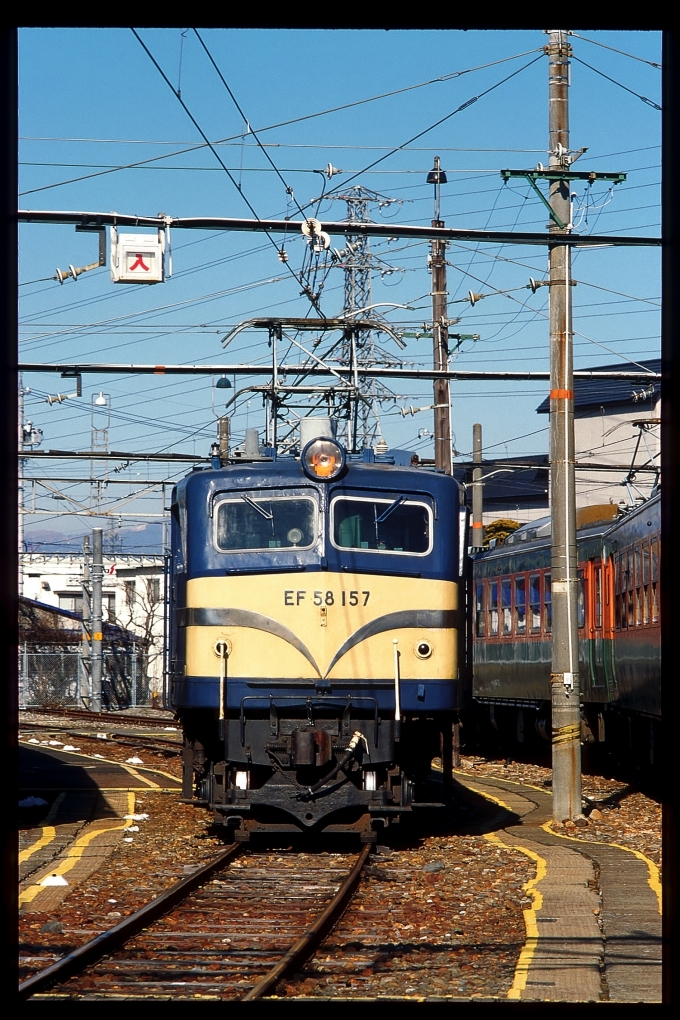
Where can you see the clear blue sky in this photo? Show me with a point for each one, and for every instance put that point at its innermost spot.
(91, 100)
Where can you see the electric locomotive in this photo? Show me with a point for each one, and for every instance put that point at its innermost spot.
(315, 626)
(618, 624)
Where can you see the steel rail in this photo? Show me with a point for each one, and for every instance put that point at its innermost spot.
(308, 943)
(97, 717)
(99, 946)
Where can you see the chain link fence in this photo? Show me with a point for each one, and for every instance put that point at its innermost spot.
(61, 679)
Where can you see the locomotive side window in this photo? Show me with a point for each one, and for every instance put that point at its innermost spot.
(547, 616)
(581, 602)
(535, 602)
(520, 605)
(629, 592)
(480, 610)
(493, 608)
(250, 523)
(506, 605)
(381, 525)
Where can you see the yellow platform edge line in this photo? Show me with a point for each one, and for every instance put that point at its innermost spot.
(76, 852)
(48, 831)
(47, 835)
(526, 955)
(653, 877)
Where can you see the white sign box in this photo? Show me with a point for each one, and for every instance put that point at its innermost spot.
(137, 258)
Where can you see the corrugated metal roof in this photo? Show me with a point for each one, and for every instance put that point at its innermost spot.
(602, 392)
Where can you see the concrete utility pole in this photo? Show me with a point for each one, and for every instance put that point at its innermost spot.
(97, 624)
(477, 543)
(564, 677)
(440, 333)
(86, 651)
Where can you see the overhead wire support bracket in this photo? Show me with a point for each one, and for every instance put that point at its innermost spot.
(532, 176)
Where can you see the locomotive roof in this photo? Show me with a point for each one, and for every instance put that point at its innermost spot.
(287, 471)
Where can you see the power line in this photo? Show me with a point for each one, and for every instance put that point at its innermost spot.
(644, 99)
(270, 127)
(613, 49)
(217, 156)
(442, 120)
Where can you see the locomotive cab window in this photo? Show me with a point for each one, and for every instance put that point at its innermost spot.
(397, 525)
(252, 523)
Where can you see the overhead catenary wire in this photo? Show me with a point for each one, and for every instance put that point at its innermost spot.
(652, 63)
(217, 156)
(437, 123)
(280, 124)
(649, 102)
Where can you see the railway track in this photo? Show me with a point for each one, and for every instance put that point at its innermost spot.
(100, 718)
(232, 930)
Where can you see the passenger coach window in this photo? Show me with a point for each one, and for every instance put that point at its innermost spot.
(520, 605)
(535, 602)
(253, 523)
(581, 602)
(655, 579)
(381, 525)
(493, 607)
(506, 605)
(547, 618)
(480, 611)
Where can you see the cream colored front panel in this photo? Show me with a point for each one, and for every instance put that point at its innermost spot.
(321, 612)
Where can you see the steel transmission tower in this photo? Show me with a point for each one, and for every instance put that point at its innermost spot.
(358, 265)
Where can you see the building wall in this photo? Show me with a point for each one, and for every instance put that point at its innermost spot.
(132, 594)
(608, 436)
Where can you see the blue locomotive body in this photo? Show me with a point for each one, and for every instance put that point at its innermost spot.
(315, 630)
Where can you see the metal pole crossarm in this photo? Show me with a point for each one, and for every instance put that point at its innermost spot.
(368, 371)
(424, 231)
(349, 326)
(559, 175)
(564, 175)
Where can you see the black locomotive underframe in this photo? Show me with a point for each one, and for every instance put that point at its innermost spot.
(284, 748)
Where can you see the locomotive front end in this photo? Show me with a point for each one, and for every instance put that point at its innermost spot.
(315, 609)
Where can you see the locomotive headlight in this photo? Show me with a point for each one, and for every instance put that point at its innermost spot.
(323, 459)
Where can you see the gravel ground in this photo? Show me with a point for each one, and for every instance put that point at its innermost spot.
(616, 812)
(441, 918)
(175, 836)
(166, 760)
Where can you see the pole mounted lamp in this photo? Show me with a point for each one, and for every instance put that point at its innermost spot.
(437, 177)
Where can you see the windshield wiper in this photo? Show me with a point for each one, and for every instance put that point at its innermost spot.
(390, 509)
(256, 506)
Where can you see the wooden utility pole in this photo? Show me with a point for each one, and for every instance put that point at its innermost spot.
(440, 333)
(564, 677)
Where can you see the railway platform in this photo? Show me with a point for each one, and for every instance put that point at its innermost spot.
(82, 809)
(594, 928)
